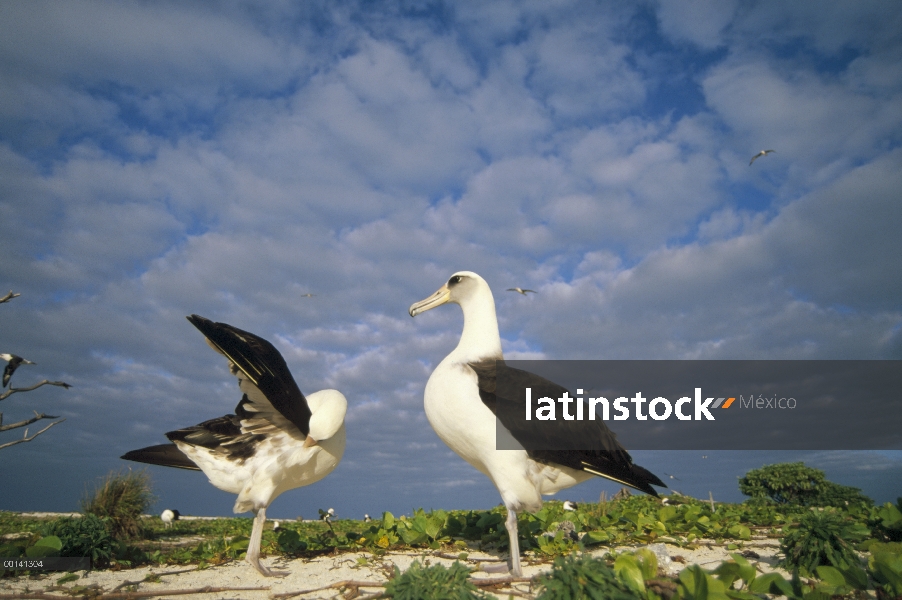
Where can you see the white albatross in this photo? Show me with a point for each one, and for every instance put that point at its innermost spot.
(521, 290)
(276, 441)
(759, 155)
(457, 412)
(12, 363)
(168, 516)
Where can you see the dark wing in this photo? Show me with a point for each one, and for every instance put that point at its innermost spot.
(271, 395)
(167, 455)
(582, 445)
(226, 436)
(8, 372)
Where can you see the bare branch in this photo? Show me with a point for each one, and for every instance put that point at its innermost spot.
(37, 417)
(13, 390)
(28, 439)
(9, 297)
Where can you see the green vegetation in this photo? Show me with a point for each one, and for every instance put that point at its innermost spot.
(121, 499)
(822, 538)
(585, 577)
(433, 583)
(848, 550)
(82, 536)
(796, 484)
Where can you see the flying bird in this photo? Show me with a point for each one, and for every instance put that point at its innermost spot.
(672, 476)
(12, 363)
(308, 295)
(521, 290)
(168, 516)
(459, 401)
(759, 155)
(276, 441)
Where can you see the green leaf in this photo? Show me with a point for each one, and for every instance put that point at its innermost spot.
(239, 544)
(388, 520)
(595, 537)
(648, 562)
(67, 578)
(831, 575)
(46, 546)
(747, 571)
(627, 568)
(51, 541)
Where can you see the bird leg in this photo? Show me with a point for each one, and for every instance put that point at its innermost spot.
(511, 525)
(253, 546)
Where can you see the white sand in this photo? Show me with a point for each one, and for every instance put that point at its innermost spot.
(319, 572)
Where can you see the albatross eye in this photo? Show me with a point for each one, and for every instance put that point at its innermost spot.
(455, 280)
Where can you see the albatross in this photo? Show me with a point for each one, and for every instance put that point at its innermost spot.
(276, 441)
(759, 155)
(456, 409)
(12, 363)
(521, 290)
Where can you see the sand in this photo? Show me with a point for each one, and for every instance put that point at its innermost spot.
(318, 573)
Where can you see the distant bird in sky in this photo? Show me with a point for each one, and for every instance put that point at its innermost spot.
(459, 400)
(307, 295)
(168, 516)
(521, 290)
(759, 155)
(12, 363)
(276, 441)
(569, 505)
(672, 477)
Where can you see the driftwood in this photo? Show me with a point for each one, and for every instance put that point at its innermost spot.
(92, 593)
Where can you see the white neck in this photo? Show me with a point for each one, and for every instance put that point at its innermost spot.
(480, 338)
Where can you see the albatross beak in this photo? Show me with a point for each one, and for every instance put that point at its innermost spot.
(309, 442)
(437, 299)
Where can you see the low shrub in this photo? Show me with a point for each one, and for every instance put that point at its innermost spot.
(83, 536)
(121, 499)
(433, 583)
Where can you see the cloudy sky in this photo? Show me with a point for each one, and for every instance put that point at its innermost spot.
(168, 158)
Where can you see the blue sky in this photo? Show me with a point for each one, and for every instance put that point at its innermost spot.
(168, 158)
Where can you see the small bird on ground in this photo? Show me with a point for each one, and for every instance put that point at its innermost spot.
(328, 515)
(569, 505)
(366, 518)
(12, 363)
(759, 155)
(276, 525)
(521, 290)
(168, 516)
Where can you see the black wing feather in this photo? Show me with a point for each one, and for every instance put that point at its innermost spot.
(263, 365)
(166, 455)
(607, 458)
(222, 435)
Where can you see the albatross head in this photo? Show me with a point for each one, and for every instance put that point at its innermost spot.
(480, 338)
(462, 286)
(328, 408)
